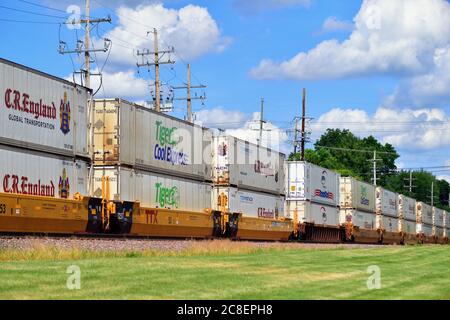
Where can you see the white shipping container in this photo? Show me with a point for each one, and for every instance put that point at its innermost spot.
(438, 217)
(308, 182)
(249, 203)
(311, 212)
(406, 207)
(424, 213)
(386, 202)
(245, 165)
(129, 134)
(426, 229)
(447, 219)
(38, 174)
(361, 219)
(42, 112)
(408, 226)
(356, 194)
(439, 232)
(154, 190)
(390, 224)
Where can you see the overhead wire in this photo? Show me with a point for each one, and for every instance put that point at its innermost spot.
(32, 12)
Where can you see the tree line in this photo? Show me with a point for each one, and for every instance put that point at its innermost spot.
(342, 151)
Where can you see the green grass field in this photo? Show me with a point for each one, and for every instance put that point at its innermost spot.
(421, 272)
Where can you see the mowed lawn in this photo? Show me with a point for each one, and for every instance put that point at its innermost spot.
(421, 272)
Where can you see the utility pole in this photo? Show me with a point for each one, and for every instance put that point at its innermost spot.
(87, 58)
(85, 47)
(303, 125)
(432, 194)
(188, 98)
(156, 63)
(261, 121)
(296, 136)
(374, 161)
(410, 185)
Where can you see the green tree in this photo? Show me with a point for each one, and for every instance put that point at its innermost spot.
(350, 155)
(342, 151)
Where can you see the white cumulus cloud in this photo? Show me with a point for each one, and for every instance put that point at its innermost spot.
(221, 118)
(245, 127)
(121, 84)
(333, 24)
(390, 37)
(410, 129)
(191, 30)
(429, 88)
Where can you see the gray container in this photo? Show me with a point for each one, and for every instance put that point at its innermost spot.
(129, 134)
(308, 182)
(39, 174)
(354, 194)
(153, 190)
(42, 112)
(245, 165)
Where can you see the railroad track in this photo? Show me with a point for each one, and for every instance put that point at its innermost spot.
(114, 243)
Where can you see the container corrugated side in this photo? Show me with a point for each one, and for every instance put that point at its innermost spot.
(246, 165)
(408, 226)
(311, 212)
(424, 213)
(386, 202)
(361, 219)
(438, 217)
(34, 173)
(305, 181)
(42, 112)
(439, 232)
(426, 229)
(129, 134)
(447, 219)
(250, 203)
(390, 224)
(407, 208)
(154, 190)
(356, 194)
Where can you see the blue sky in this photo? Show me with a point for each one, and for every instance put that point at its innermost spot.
(354, 70)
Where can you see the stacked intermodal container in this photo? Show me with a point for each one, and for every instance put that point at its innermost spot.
(424, 219)
(44, 133)
(312, 194)
(386, 208)
(153, 190)
(438, 222)
(357, 203)
(149, 157)
(250, 177)
(447, 224)
(407, 214)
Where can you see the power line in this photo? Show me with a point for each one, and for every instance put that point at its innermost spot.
(29, 21)
(33, 13)
(354, 150)
(42, 6)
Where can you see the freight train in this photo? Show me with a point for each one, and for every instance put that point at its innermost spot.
(72, 165)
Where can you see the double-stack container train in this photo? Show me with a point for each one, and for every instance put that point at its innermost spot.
(312, 201)
(357, 210)
(73, 165)
(408, 220)
(248, 183)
